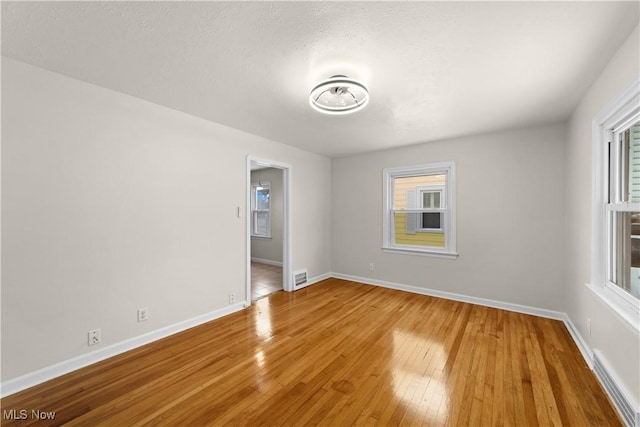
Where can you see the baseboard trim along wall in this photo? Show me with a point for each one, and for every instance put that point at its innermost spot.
(267, 261)
(617, 393)
(314, 280)
(540, 312)
(317, 279)
(45, 374)
(550, 314)
(587, 353)
(50, 372)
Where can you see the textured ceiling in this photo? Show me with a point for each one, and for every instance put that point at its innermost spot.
(435, 70)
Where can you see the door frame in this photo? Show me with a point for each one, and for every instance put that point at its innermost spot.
(286, 222)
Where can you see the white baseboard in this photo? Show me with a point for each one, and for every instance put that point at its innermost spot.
(621, 398)
(42, 375)
(586, 352)
(624, 404)
(541, 312)
(267, 261)
(50, 372)
(315, 280)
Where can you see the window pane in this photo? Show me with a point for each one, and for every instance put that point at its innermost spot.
(431, 220)
(623, 165)
(261, 223)
(406, 233)
(431, 199)
(402, 186)
(262, 198)
(631, 138)
(427, 200)
(627, 251)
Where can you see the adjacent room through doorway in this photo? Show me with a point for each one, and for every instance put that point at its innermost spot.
(267, 219)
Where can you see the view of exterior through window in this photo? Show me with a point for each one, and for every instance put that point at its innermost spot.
(260, 208)
(419, 209)
(622, 209)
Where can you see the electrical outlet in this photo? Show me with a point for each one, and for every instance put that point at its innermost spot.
(94, 337)
(143, 314)
(589, 325)
(232, 298)
(372, 266)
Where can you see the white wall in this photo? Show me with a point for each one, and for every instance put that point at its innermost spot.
(509, 201)
(110, 203)
(270, 249)
(610, 335)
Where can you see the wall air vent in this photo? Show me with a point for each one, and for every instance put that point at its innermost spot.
(625, 408)
(299, 279)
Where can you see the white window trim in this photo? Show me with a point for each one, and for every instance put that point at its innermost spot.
(254, 211)
(618, 113)
(448, 168)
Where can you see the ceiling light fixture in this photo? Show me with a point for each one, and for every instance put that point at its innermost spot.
(339, 95)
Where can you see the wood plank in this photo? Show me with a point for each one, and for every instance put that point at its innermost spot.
(338, 353)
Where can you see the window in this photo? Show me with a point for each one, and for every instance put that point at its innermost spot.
(623, 206)
(616, 206)
(261, 209)
(419, 209)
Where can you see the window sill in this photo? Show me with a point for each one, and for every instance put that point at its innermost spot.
(422, 252)
(622, 308)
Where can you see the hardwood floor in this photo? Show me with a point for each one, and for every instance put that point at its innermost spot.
(265, 280)
(339, 353)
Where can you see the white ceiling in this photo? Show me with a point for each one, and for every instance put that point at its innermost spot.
(435, 70)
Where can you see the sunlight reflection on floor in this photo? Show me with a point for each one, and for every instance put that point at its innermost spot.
(263, 320)
(416, 362)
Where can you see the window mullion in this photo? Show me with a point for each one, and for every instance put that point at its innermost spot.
(614, 168)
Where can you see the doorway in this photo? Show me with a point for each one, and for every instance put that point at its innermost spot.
(268, 233)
